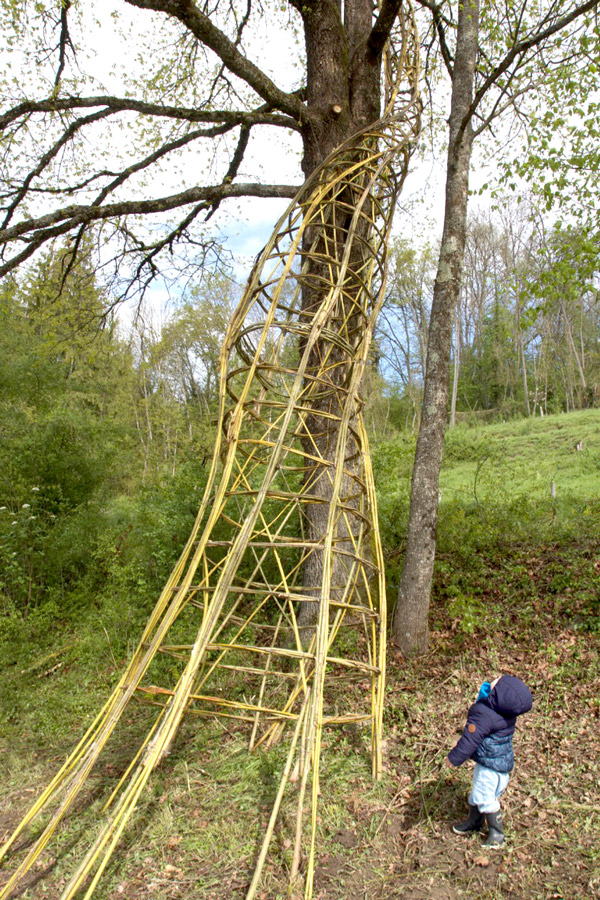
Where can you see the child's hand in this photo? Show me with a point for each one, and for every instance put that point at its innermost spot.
(447, 764)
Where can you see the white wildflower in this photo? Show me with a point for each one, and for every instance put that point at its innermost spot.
(26, 506)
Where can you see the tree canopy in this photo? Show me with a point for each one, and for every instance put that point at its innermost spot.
(145, 162)
(135, 122)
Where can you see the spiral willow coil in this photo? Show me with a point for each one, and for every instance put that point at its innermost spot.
(288, 520)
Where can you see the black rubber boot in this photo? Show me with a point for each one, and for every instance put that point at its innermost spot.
(496, 836)
(472, 823)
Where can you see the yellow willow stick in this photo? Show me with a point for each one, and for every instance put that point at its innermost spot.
(303, 771)
(302, 669)
(271, 736)
(221, 701)
(55, 783)
(132, 764)
(275, 811)
(263, 685)
(378, 687)
(245, 624)
(316, 713)
(181, 696)
(90, 747)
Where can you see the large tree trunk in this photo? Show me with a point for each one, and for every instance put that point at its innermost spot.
(343, 78)
(343, 97)
(411, 628)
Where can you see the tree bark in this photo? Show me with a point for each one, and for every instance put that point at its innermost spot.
(343, 96)
(524, 375)
(457, 334)
(411, 628)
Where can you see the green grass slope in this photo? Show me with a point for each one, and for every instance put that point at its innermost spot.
(517, 588)
(523, 458)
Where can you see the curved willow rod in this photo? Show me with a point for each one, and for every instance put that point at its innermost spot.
(290, 493)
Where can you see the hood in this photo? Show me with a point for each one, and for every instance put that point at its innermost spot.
(511, 697)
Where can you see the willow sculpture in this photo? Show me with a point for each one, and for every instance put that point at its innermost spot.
(284, 558)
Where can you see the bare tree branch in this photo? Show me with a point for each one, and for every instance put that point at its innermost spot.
(203, 29)
(522, 47)
(58, 122)
(146, 268)
(381, 29)
(440, 23)
(64, 42)
(172, 237)
(234, 164)
(242, 24)
(128, 104)
(162, 151)
(510, 98)
(47, 158)
(36, 231)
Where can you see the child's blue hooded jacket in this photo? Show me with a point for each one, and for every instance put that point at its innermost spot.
(487, 736)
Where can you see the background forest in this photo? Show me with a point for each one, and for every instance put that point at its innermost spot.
(108, 426)
(107, 432)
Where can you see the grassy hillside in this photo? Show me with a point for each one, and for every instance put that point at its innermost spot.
(495, 489)
(517, 588)
(522, 459)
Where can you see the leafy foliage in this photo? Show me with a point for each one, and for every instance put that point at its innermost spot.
(495, 502)
(526, 325)
(104, 448)
(516, 589)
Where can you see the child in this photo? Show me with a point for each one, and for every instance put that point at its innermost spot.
(487, 738)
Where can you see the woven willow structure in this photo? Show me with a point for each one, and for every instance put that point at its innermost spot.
(284, 563)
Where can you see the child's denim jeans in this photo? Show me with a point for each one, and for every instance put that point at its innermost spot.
(488, 786)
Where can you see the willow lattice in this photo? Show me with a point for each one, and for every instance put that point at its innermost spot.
(284, 557)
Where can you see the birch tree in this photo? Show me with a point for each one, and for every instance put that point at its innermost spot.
(502, 53)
